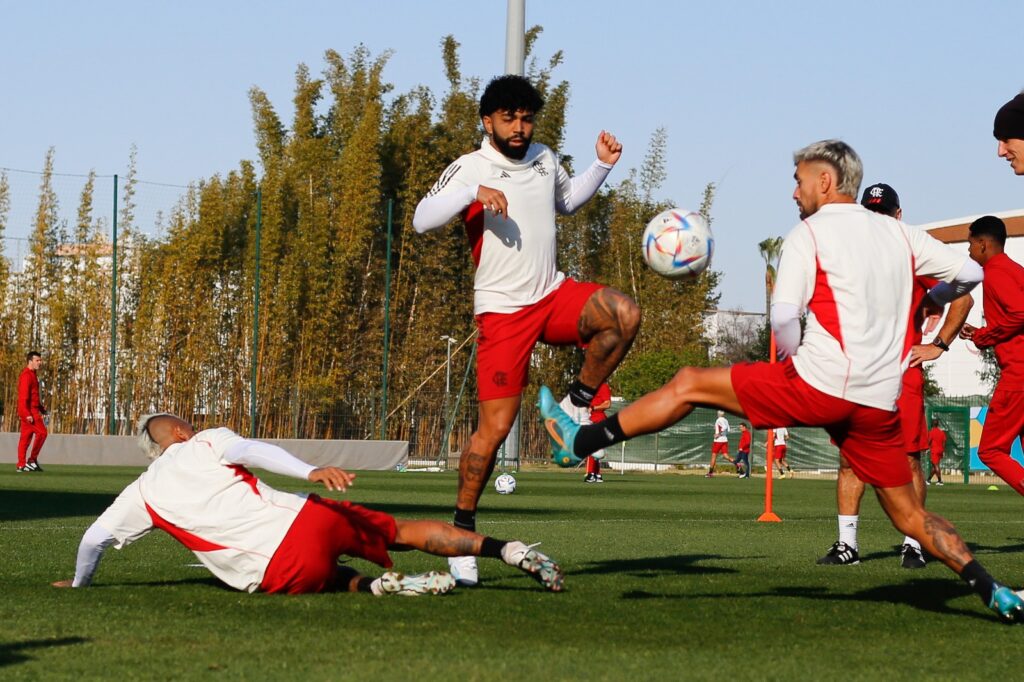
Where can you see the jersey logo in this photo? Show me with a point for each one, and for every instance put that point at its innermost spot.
(504, 174)
(445, 178)
(538, 166)
(500, 379)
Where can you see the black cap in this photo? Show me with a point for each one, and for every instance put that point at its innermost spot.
(881, 198)
(1009, 123)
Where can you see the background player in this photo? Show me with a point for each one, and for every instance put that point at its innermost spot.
(743, 452)
(1003, 299)
(602, 401)
(1009, 130)
(253, 537)
(720, 443)
(883, 199)
(30, 413)
(851, 270)
(507, 193)
(936, 448)
(781, 439)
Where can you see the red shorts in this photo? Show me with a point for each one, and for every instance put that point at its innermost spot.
(869, 438)
(507, 339)
(307, 559)
(936, 457)
(720, 448)
(780, 452)
(911, 408)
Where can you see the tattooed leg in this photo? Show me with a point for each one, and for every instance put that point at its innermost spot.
(434, 537)
(936, 534)
(608, 324)
(477, 462)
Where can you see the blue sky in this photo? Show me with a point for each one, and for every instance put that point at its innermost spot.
(739, 86)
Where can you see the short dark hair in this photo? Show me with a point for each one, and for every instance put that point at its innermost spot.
(989, 226)
(32, 354)
(510, 93)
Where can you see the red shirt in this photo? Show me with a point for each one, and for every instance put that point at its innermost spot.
(744, 445)
(28, 394)
(1003, 298)
(937, 440)
(603, 395)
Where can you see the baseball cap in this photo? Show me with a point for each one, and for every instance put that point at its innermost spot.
(881, 198)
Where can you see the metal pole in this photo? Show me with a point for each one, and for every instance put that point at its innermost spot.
(515, 37)
(112, 410)
(255, 316)
(387, 329)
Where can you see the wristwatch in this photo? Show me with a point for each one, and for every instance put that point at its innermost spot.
(940, 343)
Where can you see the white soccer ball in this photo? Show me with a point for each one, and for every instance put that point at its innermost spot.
(678, 244)
(505, 484)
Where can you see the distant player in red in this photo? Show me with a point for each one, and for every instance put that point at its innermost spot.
(1003, 298)
(30, 412)
(743, 452)
(602, 401)
(936, 448)
(851, 272)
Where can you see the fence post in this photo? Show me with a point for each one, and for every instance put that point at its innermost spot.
(387, 330)
(255, 316)
(112, 410)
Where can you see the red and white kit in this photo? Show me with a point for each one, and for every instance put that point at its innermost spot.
(720, 443)
(853, 272)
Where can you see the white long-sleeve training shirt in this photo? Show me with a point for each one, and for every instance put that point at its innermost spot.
(515, 255)
(201, 493)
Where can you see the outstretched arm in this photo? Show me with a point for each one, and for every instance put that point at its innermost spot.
(278, 461)
(90, 550)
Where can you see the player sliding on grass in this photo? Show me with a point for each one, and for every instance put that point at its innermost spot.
(852, 271)
(254, 537)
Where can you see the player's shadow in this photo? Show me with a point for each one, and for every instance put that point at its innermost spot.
(444, 511)
(976, 548)
(650, 567)
(925, 594)
(208, 581)
(17, 652)
(507, 230)
(25, 505)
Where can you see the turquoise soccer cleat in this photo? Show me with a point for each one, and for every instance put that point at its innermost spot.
(1007, 604)
(560, 427)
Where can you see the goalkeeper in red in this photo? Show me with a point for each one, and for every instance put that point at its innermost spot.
(852, 272)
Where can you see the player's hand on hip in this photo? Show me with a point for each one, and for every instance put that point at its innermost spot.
(925, 352)
(333, 478)
(63, 583)
(608, 148)
(493, 200)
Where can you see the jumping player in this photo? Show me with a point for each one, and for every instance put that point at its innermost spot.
(256, 538)
(1003, 299)
(883, 199)
(720, 444)
(507, 193)
(1008, 129)
(851, 270)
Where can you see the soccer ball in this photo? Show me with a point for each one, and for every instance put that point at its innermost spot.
(678, 244)
(505, 484)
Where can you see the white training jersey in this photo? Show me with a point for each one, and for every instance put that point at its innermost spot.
(853, 271)
(230, 519)
(781, 435)
(515, 256)
(721, 430)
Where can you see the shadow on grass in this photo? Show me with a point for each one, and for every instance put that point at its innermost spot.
(14, 652)
(649, 567)
(25, 505)
(926, 594)
(444, 511)
(975, 548)
(208, 581)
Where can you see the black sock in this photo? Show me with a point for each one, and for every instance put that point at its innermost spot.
(491, 548)
(364, 584)
(594, 437)
(975, 575)
(580, 394)
(465, 519)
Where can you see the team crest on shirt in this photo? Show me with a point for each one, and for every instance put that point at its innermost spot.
(538, 166)
(500, 379)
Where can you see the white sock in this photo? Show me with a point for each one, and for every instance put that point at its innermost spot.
(376, 589)
(912, 542)
(848, 529)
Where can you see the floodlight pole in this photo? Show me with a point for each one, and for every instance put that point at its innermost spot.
(515, 60)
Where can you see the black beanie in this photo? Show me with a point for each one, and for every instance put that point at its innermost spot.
(1010, 120)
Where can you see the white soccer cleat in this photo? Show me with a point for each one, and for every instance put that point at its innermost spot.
(539, 566)
(433, 582)
(580, 415)
(464, 571)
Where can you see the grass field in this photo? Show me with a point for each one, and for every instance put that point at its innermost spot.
(668, 577)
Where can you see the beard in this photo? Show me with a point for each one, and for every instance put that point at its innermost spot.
(504, 146)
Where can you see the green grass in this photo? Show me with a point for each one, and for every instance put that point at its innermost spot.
(668, 577)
